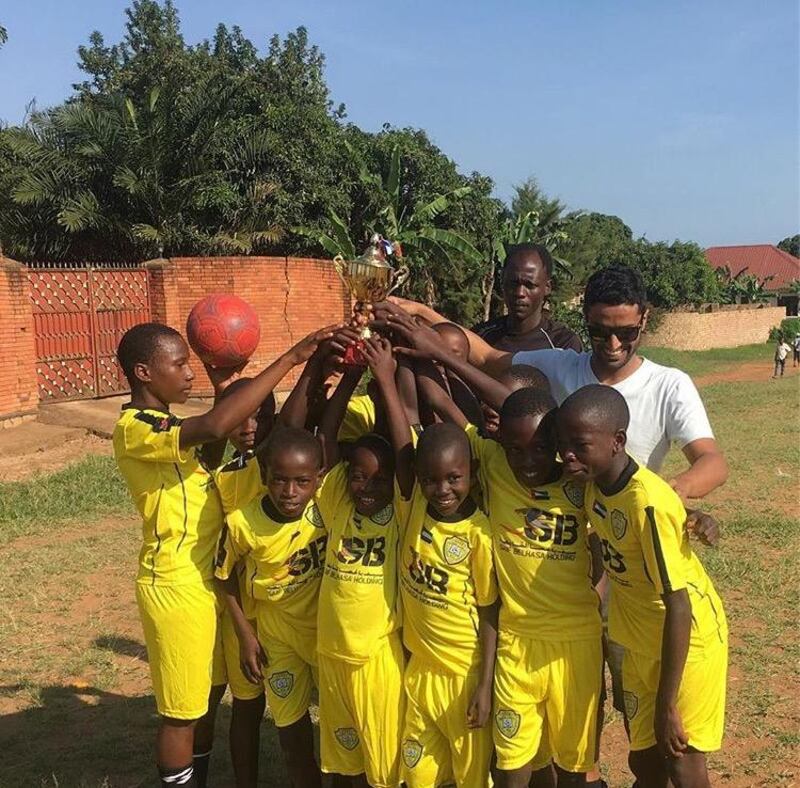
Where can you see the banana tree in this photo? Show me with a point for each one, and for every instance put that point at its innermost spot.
(425, 243)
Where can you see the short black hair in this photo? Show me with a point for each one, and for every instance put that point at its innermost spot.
(524, 376)
(440, 437)
(603, 405)
(378, 445)
(514, 251)
(615, 285)
(527, 402)
(289, 438)
(139, 344)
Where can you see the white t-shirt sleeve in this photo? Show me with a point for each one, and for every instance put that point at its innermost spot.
(687, 419)
(562, 366)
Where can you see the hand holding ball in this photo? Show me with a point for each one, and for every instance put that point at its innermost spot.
(223, 330)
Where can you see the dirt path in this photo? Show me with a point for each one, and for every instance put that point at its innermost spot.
(744, 373)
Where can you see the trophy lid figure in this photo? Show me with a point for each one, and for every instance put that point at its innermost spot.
(369, 278)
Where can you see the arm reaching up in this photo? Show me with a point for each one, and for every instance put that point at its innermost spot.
(227, 414)
(378, 352)
(425, 343)
(334, 414)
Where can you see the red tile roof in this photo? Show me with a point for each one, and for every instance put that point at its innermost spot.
(762, 260)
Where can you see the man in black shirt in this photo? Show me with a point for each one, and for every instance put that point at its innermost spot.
(526, 284)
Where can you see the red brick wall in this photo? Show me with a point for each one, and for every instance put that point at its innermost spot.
(18, 392)
(292, 297)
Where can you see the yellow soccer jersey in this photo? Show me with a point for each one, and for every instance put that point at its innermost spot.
(541, 551)
(175, 495)
(358, 603)
(283, 562)
(646, 553)
(446, 573)
(239, 481)
(360, 419)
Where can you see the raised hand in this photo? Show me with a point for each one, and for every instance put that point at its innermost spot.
(423, 341)
(307, 346)
(222, 377)
(378, 353)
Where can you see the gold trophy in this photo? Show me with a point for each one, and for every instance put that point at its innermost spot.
(370, 279)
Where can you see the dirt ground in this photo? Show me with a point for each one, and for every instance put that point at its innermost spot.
(74, 660)
(745, 373)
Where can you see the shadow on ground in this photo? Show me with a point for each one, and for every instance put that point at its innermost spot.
(84, 737)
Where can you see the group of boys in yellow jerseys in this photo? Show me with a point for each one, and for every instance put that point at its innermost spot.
(436, 586)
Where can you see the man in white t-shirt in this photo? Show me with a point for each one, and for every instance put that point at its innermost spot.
(664, 404)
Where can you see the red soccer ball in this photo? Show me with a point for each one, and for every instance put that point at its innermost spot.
(223, 330)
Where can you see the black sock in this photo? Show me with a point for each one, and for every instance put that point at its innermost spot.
(201, 760)
(172, 778)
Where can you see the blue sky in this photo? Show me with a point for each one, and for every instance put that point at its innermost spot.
(680, 117)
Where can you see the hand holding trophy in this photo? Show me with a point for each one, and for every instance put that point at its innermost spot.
(369, 278)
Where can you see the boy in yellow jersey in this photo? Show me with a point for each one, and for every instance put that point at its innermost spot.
(281, 539)
(238, 482)
(548, 670)
(182, 514)
(449, 594)
(361, 695)
(664, 609)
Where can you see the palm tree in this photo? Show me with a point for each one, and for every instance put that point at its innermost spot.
(425, 244)
(103, 178)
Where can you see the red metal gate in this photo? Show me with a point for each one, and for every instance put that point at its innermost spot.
(79, 316)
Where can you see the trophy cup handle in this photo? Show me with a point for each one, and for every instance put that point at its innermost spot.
(399, 278)
(340, 264)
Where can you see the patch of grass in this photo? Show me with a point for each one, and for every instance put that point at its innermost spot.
(703, 362)
(87, 490)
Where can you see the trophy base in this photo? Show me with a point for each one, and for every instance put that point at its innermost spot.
(354, 355)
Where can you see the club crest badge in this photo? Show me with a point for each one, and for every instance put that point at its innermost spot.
(383, 516)
(412, 752)
(507, 722)
(281, 683)
(456, 550)
(574, 494)
(347, 737)
(619, 523)
(314, 516)
(631, 704)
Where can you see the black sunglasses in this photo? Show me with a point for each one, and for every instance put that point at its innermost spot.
(622, 333)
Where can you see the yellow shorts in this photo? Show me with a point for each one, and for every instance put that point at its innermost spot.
(289, 677)
(227, 668)
(437, 746)
(700, 702)
(546, 695)
(180, 629)
(361, 713)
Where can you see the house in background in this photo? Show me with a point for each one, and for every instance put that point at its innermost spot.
(763, 261)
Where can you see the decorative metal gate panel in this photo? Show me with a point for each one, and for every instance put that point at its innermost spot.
(79, 316)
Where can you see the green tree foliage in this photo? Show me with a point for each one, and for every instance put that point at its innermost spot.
(167, 147)
(390, 209)
(3, 35)
(791, 244)
(741, 288)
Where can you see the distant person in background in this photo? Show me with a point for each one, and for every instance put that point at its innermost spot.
(526, 283)
(796, 350)
(781, 351)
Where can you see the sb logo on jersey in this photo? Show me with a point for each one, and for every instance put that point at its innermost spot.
(541, 526)
(369, 552)
(612, 558)
(308, 558)
(426, 575)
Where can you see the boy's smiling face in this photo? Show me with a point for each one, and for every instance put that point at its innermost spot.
(588, 449)
(371, 481)
(529, 445)
(292, 478)
(445, 478)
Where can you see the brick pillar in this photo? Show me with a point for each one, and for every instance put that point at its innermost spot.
(19, 394)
